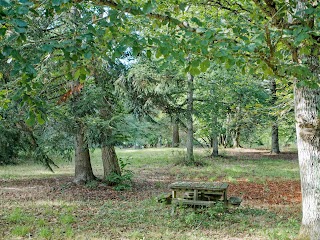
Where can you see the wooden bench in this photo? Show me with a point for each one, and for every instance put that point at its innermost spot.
(198, 193)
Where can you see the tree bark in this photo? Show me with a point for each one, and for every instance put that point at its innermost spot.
(83, 169)
(214, 137)
(215, 148)
(108, 154)
(275, 139)
(236, 137)
(175, 131)
(110, 161)
(190, 156)
(275, 130)
(307, 114)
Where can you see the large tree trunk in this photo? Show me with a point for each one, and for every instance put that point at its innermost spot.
(190, 156)
(110, 161)
(175, 131)
(215, 146)
(275, 131)
(83, 169)
(108, 154)
(307, 105)
(307, 115)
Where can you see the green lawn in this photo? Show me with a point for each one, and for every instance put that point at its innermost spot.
(38, 204)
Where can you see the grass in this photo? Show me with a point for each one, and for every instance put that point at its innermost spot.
(142, 217)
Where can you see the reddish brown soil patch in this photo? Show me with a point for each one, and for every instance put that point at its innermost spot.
(146, 186)
(270, 192)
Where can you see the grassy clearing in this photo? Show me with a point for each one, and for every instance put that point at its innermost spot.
(136, 214)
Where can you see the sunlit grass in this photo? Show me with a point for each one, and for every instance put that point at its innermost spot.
(147, 219)
(167, 158)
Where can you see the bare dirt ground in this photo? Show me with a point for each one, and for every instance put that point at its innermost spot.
(61, 188)
(246, 153)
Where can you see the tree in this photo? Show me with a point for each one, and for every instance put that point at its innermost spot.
(227, 30)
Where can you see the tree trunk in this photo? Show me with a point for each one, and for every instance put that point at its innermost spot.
(108, 154)
(214, 137)
(110, 161)
(215, 144)
(274, 132)
(190, 156)
(83, 169)
(307, 114)
(275, 139)
(175, 131)
(236, 137)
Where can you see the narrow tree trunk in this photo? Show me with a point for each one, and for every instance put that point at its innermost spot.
(83, 169)
(274, 132)
(275, 139)
(175, 131)
(214, 137)
(190, 156)
(223, 140)
(236, 138)
(307, 113)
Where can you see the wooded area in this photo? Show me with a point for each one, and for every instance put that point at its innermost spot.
(110, 75)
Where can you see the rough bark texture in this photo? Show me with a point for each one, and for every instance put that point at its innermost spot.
(275, 139)
(190, 157)
(236, 137)
(274, 131)
(110, 161)
(215, 144)
(175, 132)
(108, 154)
(307, 105)
(83, 169)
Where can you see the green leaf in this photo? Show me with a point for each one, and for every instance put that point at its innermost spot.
(3, 31)
(147, 8)
(204, 65)
(158, 53)
(195, 63)
(5, 3)
(194, 71)
(31, 119)
(77, 74)
(19, 22)
(197, 21)
(88, 55)
(208, 34)
(182, 6)
(56, 2)
(149, 54)
(47, 48)
(301, 37)
(20, 30)
(40, 119)
(22, 10)
(26, 2)
(7, 50)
